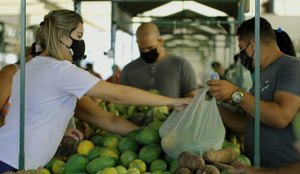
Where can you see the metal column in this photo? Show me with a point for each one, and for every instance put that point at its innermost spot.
(113, 36)
(257, 85)
(22, 84)
(77, 9)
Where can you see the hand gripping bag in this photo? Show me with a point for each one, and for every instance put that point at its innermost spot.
(198, 128)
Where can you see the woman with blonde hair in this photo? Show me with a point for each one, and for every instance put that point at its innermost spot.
(53, 85)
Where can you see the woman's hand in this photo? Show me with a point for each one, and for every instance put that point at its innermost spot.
(74, 134)
(180, 103)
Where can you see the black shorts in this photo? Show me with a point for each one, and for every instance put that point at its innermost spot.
(6, 168)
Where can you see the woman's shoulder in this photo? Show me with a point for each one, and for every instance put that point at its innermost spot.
(8, 69)
(50, 60)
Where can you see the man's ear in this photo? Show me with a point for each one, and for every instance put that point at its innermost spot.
(161, 41)
(252, 44)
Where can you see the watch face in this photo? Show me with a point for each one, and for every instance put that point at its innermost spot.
(237, 97)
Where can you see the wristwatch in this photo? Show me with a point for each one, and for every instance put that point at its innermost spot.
(237, 97)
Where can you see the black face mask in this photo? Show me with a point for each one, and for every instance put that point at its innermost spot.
(77, 49)
(150, 56)
(246, 60)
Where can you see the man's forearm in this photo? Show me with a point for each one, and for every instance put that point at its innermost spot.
(289, 169)
(233, 120)
(274, 114)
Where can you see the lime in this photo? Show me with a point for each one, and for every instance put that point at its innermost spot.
(127, 157)
(109, 170)
(58, 167)
(97, 140)
(50, 163)
(108, 152)
(127, 143)
(133, 170)
(139, 164)
(45, 171)
(158, 165)
(173, 166)
(110, 141)
(121, 169)
(150, 153)
(84, 147)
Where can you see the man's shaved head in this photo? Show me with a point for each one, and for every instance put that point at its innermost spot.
(148, 39)
(147, 30)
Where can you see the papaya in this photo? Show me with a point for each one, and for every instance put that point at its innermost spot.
(155, 124)
(100, 163)
(94, 153)
(148, 136)
(76, 164)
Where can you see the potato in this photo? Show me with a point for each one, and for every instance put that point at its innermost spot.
(208, 169)
(191, 161)
(225, 156)
(183, 170)
(222, 167)
(236, 163)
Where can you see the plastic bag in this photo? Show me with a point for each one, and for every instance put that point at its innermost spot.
(198, 128)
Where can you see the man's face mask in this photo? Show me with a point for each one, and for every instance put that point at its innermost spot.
(77, 49)
(246, 60)
(150, 56)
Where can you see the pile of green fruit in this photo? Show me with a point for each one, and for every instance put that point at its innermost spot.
(140, 115)
(107, 153)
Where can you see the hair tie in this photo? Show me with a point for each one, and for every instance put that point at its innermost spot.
(279, 30)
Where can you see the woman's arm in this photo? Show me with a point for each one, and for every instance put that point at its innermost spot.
(132, 96)
(6, 76)
(87, 110)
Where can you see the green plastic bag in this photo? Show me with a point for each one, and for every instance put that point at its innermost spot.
(198, 128)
